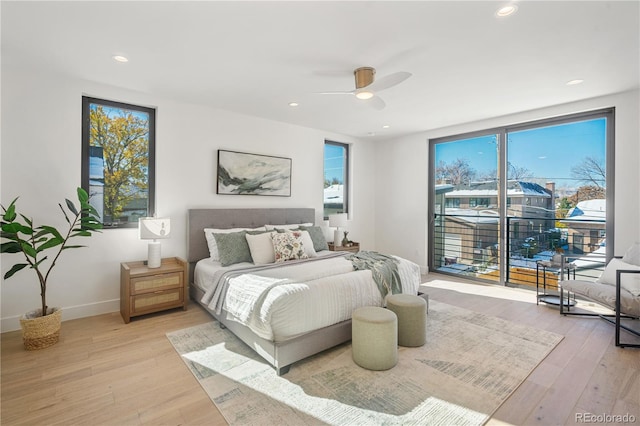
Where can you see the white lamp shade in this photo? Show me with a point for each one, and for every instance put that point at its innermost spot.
(338, 220)
(154, 228)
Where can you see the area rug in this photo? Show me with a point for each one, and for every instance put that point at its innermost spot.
(469, 366)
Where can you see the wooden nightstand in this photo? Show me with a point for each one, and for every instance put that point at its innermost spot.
(144, 290)
(353, 249)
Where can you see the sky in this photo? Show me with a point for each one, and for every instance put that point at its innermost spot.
(548, 152)
(333, 161)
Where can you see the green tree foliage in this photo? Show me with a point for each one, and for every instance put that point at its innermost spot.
(124, 139)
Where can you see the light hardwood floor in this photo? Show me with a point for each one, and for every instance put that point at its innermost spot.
(106, 372)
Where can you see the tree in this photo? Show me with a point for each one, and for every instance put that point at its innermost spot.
(456, 173)
(517, 172)
(591, 171)
(125, 145)
(588, 192)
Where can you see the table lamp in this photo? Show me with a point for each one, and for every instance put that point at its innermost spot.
(154, 228)
(337, 221)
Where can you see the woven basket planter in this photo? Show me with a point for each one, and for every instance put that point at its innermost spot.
(40, 332)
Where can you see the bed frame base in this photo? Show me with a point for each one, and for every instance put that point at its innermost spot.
(282, 354)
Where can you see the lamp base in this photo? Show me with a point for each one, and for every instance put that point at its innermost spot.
(154, 258)
(337, 241)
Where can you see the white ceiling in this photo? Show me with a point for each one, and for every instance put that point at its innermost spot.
(256, 57)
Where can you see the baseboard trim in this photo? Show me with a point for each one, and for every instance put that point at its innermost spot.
(68, 313)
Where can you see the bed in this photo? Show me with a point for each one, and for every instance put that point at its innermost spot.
(301, 311)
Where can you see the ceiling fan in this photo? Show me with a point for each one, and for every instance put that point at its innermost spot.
(367, 88)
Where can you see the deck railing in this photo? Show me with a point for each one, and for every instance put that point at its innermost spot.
(469, 245)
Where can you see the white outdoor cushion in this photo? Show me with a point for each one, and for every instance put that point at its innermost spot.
(629, 282)
(632, 255)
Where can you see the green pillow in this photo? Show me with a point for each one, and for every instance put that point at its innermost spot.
(233, 248)
(317, 236)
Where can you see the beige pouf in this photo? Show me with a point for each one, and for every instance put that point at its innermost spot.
(412, 318)
(374, 338)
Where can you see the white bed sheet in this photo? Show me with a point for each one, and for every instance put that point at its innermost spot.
(323, 293)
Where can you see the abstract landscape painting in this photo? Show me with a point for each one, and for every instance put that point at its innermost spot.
(241, 173)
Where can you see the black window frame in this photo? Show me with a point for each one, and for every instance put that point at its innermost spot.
(87, 101)
(346, 177)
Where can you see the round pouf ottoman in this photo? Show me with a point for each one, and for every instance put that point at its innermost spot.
(412, 318)
(374, 338)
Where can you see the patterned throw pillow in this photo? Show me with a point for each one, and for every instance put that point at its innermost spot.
(288, 246)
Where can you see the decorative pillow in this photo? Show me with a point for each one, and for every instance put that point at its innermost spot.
(307, 243)
(630, 282)
(632, 255)
(211, 241)
(290, 227)
(233, 248)
(317, 236)
(288, 246)
(261, 248)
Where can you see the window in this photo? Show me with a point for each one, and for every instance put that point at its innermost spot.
(118, 153)
(452, 203)
(336, 178)
(531, 167)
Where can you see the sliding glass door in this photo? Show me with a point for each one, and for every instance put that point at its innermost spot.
(504, 199)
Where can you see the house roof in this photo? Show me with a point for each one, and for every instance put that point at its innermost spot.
(588, 211)
(490, 189)
(254, 57)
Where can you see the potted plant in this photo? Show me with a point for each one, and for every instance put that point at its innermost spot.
(41, 327)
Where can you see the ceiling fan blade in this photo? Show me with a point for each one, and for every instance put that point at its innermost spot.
(388, 81)
(376, 103)
(334, 93)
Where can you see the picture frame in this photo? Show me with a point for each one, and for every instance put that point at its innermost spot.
(242, 173)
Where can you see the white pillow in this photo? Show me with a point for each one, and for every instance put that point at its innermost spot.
(211, 241)
(630, 282)
(632, 255)
(261, 248)
(293, 226)
(307, 244)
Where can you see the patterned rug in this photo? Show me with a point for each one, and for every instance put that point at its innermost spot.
(469, 366)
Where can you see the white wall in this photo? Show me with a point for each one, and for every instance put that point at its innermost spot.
(402, 164)
(41, 162)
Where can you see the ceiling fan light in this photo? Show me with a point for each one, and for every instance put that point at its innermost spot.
(364, 95)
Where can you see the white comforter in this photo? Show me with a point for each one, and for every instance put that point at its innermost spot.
(279, 303)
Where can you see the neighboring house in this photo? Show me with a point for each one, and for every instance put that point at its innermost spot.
(586, 225)
(471, 227)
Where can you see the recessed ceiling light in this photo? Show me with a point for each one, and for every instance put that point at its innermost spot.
(386, 126)
(120, 58)
(371, 134)
(293, 104)
(574, 82)
(507, 10)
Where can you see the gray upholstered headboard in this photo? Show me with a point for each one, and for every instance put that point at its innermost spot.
(198, 219)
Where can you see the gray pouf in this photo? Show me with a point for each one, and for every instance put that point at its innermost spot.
(412, 318)
(374, 338)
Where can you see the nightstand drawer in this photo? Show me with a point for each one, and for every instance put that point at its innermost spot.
(157, 301)
(156, 283)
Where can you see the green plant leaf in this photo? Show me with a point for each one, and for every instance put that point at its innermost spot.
(15, 268)
(71, 206)
(72, 247)
(11, 247)
(81, 233)
(65, 214)
(16, 227)
(28, 250)
(82, 195)
(27, 221)
(51, 243)
(10, 212)
(52, 230)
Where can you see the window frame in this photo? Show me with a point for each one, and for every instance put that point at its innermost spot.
(87, 101)
(346, 175)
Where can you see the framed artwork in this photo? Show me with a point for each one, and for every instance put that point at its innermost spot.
(240, 173)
